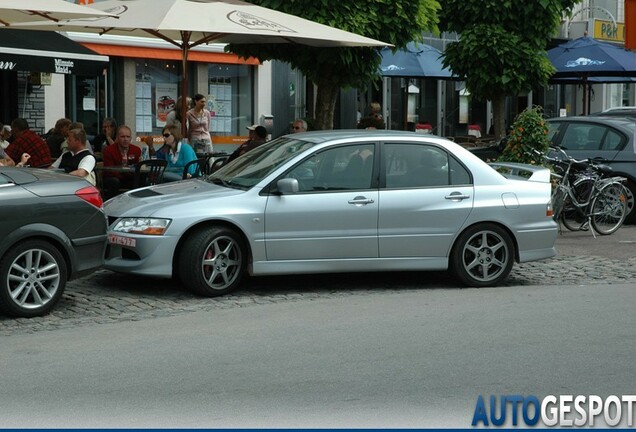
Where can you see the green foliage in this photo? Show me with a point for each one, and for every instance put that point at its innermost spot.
(494, 61)
(501, 49)
(393, 21)
(528, 138)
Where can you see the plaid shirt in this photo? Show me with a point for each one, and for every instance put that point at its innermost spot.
(31, 143)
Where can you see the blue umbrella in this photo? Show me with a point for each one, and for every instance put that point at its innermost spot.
(417, 60)
(586, 60)
(587, 57)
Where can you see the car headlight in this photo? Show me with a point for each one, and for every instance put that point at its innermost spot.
(146, 226)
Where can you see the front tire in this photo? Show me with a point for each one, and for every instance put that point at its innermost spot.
(33, 277)
(483, 255)
(212, 261)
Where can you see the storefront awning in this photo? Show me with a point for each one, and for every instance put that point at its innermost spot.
(167, 54)
(47, 51)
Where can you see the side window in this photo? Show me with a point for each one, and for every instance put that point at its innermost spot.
(595, 137)
(553, 131)
(416, 165)
(459, 175)
(613, 141)
(4, 180)
(582, 136)
(574, 138)
(340, 168)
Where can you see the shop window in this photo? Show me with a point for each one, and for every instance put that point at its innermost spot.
(157, 87)
(230, 96)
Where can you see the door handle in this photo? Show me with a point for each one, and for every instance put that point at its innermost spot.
(361, 200)
(457, 196)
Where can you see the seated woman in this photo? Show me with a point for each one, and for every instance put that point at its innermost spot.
(179, 154)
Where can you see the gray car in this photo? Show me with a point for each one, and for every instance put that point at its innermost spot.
(610, 138)
(335, 201)
(53, 229)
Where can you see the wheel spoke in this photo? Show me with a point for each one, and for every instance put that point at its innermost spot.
(213, 275)
(228, 250)
(37, 298)
(19, 268)
(496, 247)
(15, 293)
(46, 268)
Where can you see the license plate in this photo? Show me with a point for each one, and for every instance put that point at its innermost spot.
(121, 240)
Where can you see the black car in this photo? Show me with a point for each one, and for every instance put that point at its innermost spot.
(617, 112)
(610, 138)
(607, 137)
(52, 229)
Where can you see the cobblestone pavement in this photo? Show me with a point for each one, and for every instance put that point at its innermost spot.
(107, 297)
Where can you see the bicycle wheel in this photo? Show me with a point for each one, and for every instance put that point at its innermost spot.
(572, 216)
(558, 197)
(609, 208)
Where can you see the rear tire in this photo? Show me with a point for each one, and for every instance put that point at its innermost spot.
(609, 208)
(631, 209)
(212, 261)
(32, 279)
(483, 255)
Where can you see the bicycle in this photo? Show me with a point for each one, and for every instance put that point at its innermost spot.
(587, 196)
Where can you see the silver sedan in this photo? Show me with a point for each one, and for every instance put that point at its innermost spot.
(336, 201)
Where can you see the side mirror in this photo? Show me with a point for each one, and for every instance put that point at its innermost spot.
(287, 186)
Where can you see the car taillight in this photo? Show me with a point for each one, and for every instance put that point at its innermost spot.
(91, 195)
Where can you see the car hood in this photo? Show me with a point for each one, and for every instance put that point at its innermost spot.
(149, 200)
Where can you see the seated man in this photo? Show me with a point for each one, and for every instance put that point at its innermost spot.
(120, 153)
(77, 161)
(258, 136)
(27, 141)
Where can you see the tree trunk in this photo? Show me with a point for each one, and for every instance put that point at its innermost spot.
(326, 95)
(499, 115)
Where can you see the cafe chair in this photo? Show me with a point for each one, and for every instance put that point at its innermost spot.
(199, 170)
(219, 161)
(149, 172)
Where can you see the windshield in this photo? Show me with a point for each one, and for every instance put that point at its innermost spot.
(255, 165)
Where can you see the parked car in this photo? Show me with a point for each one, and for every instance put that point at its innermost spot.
(53, 230)
(626, 111)
(607, 137)
(335, 201)
(593, 136)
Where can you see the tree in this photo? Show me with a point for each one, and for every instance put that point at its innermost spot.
(501, 46)
(393, 21)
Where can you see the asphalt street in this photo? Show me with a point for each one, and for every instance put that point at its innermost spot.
(107, 297)
(399, 358)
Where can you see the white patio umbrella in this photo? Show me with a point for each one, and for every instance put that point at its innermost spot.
(188, 23)
(21, 11)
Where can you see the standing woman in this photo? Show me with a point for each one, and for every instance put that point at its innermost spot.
(199, 125)
(178, 155)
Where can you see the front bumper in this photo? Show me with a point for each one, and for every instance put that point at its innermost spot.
(141, 254)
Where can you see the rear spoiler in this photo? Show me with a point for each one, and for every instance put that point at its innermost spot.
(519, 171)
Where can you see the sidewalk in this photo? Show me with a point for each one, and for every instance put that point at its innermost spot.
(620, 245)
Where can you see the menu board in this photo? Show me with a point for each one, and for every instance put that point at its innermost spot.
(220, 106)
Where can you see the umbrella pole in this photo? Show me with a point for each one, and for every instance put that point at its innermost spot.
(185, 38)
(584, 95)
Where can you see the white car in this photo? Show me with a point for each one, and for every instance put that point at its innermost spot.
(335, 201)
